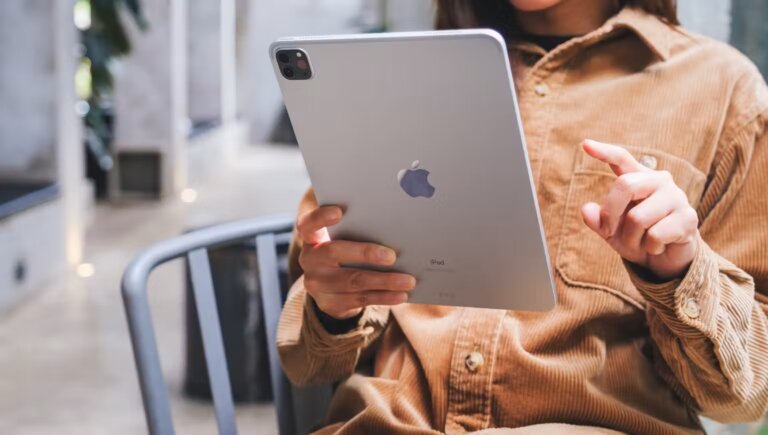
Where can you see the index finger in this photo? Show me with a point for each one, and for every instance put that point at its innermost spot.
(311, 226)
(619, 159)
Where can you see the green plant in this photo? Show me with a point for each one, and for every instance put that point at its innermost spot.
(104, 38)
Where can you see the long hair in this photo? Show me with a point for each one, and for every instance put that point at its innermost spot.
(500, 15)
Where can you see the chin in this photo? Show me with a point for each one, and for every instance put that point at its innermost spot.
(533, 5)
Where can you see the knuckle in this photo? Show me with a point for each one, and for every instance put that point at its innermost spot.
(303, 221)
(624, 153)
(635, 217)
(653, 236)
(369, 253)
(303, 259)
(356, 280)
(363, 299)
(692, 217)
(625, 183)
(330, 250)
(666, 176)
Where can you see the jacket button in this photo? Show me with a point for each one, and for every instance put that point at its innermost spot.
(541, 89)
(649, 162)
(691, 309)
(474, 361)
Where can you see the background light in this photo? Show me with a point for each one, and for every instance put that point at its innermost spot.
(82, 15)
(85, 270)
(189, 195)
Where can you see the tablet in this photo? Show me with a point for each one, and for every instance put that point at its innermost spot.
(417, 136)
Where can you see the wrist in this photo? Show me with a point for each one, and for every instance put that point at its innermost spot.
(335, 325)
(673, 263)
(665, 269)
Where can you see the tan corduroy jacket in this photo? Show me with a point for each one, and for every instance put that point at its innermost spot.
(617, 353)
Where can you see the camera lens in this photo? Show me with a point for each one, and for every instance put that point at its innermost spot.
(282, 57)
(288, 72)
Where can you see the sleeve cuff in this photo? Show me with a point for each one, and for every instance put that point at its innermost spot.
(337, 326)
(322, 341)
(687, 305)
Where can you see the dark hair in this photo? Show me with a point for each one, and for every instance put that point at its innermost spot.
(500, 15)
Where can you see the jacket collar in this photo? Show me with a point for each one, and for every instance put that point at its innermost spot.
(652, 30)
(657, 35)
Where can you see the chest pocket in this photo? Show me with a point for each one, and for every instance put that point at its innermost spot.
(583, 258)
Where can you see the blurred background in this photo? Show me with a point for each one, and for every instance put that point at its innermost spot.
(125, 122)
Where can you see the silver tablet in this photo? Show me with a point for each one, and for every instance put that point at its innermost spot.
(418, 137)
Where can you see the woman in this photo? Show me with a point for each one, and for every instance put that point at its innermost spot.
(659, 247)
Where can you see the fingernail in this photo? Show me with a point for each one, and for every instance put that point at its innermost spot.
(387, 256)
(334, 213)
(407, 282)
(403, 297)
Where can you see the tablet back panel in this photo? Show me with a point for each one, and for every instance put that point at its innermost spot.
(375, 104)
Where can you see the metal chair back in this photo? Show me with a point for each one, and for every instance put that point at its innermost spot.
(270, 233)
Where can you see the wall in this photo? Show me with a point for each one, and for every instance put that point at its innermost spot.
(27, 87)
(211, 60)
(150, 91)
(268, 20)
(40, 138)
(259, 95)
(708, 17)
(145, 81)
(407, 15)
(204, 66)
(748, 32)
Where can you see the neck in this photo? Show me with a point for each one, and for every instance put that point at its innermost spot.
(567, 18)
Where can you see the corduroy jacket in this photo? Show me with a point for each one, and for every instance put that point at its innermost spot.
(617, 353)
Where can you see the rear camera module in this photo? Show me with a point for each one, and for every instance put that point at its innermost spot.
(294, 64)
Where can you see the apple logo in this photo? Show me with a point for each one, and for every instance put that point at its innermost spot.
(414, 181)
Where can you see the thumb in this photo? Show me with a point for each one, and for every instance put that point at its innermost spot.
(590, 213)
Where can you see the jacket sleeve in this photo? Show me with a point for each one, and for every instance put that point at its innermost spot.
(711, 327)
(310, 354)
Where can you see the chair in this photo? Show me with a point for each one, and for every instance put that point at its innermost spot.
(297, 408)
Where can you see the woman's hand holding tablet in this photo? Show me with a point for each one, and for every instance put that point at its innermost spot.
(339, 291)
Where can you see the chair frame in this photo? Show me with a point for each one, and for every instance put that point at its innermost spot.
(269, 232)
